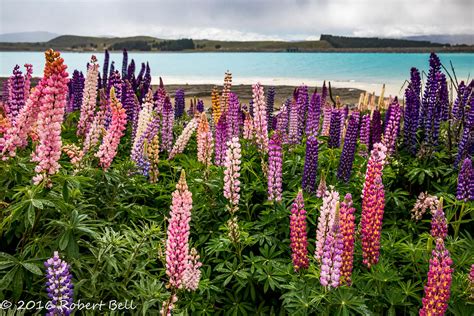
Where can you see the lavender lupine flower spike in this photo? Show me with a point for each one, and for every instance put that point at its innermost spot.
(466, 143)
(16, 98)
(348, 151)
(275, 168)
(124, 64)
(59, 286)
(310, 165)
(365, 134)
(233, 116)
(167, 126)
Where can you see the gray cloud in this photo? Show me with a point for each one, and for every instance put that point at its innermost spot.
(238, 20)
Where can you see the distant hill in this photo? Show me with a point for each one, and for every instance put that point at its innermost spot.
(328, 43)
(461, 39)
(374, 42)
(25, 37)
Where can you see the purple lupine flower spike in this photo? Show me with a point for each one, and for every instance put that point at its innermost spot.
(348, 151)
(221, 140)
(105, 69)
(335, 129)
(200, 106)
(179, 103)
(167, 126)
(375, 128)
(124, 64)
(465, 181)
(16, 96)
(412, 109)
(314, 112)
(233, 128)
(310, 171)
(364, 135)
(59, 286)
(270, 106)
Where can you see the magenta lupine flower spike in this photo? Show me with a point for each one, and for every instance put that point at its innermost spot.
(298, 234)
(331, 261)
(50, 117)
(471, 281)
(59, 286)
(89, 98)
(232, 174)
(275, 159)
(438, 287)
(347, 223)
(373, 205)
(108, 148)
(177, 242)
(392, 127)
(439, 226)
(260, 118)
(326, 220)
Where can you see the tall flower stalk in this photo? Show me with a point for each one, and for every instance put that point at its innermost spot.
(348, 150)
(332, 254)
(335, 129)
(89, 98)
(373, 205)
(205, 141)
(392, 127)
(275, 161)
(298, 234)
(232, 174)
(59, 286)
(167, 125)
(260, 118)
(184, 138)
(109, 146)
(310, 171)
(50, 118)
(326, 220)
(347, 225)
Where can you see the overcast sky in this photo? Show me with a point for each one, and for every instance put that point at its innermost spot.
(239, 19)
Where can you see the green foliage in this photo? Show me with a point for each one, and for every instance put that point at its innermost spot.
(111, 228)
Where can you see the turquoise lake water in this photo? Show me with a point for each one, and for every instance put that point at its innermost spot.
(349, 69)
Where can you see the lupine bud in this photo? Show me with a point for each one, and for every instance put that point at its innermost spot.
(465, 190)
(325, 220)
(177, 242)
(310, 171)
(275, 160)
(438, 287)
(233, 230)
(298, 234)
(373, 205)
(347, 223)
(232, 174)
(348, 151)
(59, 286)
(153, 152)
